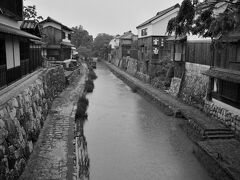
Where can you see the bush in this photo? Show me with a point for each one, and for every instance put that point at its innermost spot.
(82, 108)
(89, 86)
(92, 75)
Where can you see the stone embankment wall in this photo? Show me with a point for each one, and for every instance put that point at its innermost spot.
(21, 119)
(130, 65)
(194, 86)
(227, 117)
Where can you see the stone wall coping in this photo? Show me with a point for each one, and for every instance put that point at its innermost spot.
(223, 105)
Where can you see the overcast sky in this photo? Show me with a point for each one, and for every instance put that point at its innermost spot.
(101, 16)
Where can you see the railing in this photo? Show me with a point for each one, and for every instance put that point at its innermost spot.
(3, 69)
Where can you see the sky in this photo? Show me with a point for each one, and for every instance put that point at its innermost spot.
(101, 16)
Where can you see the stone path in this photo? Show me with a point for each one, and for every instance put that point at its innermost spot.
(53, 155)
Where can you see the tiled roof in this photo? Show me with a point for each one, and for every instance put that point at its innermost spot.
(127, 35)
(49, 19)
(28, 24)
(14, 31)
(159, 14)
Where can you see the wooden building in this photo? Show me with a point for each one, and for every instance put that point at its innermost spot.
(191, 55)
(125, 43)
(225, 70)
(57, 38)
(14, 43)
(152, 44)
(34, 48)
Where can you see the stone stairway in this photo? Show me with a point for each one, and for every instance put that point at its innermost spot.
(218, 134)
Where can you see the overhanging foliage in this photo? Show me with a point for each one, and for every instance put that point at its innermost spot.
(205, 18)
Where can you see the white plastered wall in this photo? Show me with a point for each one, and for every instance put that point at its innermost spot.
(66, 36)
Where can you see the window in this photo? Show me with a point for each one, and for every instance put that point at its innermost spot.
(63, 35)
(69, 36)
(227, 92)
(144, 32)
(2, 52)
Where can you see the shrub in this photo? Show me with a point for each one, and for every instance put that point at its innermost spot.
(89, 86)
(92, 75)
(81, 108)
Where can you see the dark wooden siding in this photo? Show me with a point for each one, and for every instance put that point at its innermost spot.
(15, 7)
(227, 56)
(145, 48)
(126, 50)
(52, 35)
(3, 80)
(3, 66)
(198, 52)
(65, 53)
(35, 60)
(13, 74)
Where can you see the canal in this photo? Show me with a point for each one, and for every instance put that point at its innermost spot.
(128, 138)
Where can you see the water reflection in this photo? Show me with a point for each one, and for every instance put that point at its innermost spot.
(130, 138)
(82, 161)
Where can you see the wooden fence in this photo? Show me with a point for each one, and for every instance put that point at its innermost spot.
(199, 52)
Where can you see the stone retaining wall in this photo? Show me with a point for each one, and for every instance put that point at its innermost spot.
(21, 119)
(228, 118)
(132, 66)
(194, 86)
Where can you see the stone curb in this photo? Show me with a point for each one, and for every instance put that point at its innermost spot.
(213, 166)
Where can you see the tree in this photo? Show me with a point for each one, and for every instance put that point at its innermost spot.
(84, 51)
(202, 18)
(181, 24)
(100, 44)
(81, 37)
(30, 13)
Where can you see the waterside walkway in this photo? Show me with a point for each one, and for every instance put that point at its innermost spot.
(53, 155)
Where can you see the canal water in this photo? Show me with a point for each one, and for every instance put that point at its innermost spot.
(128, 138)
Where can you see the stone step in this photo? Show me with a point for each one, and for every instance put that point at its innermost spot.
(220, 136)
(216, 132)
(219, 129)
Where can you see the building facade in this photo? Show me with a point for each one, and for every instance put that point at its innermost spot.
(152, 44)
(14, 43)
(57, 38)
